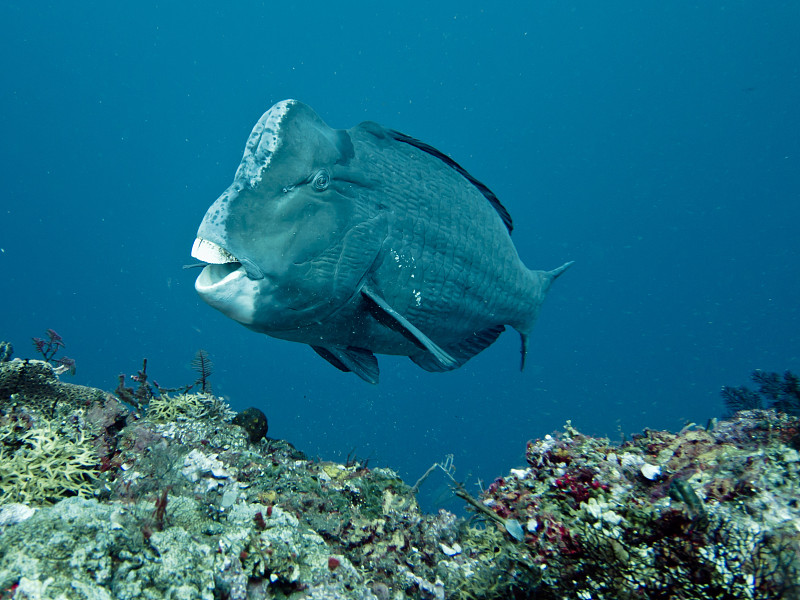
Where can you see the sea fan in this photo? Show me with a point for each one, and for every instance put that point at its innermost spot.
(774, 391)
(783, 393)
(740, 398)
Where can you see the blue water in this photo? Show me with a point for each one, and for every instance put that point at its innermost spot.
(655, 144)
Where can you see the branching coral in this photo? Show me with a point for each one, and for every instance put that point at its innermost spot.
(166, 408)
(41, 465)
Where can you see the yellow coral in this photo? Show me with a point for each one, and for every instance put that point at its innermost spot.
(166, 408)
(41, 465)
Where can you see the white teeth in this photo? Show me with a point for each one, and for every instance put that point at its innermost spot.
(211, 253)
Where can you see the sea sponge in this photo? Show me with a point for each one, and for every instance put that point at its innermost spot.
(254, 422)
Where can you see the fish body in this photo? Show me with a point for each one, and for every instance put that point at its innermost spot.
(363, 241)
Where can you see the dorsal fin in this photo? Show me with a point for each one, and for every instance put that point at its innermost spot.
(489, 194)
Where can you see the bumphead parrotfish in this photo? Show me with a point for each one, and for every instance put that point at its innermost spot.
(363, 241)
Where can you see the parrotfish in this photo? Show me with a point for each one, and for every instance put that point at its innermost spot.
(364, 241)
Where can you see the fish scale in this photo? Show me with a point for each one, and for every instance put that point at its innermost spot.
(449, 235)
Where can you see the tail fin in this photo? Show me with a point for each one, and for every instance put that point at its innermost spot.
(555, 273)
(548, 277)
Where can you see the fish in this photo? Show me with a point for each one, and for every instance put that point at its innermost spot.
(364, 241)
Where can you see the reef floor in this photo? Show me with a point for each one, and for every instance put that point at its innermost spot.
(173, 495)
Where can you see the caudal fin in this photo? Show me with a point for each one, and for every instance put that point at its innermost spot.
(558, 271)
(546, 280)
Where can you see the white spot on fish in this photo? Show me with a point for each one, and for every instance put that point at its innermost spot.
(264, 140)
(262, 143)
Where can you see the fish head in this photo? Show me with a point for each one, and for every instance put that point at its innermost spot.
(279, 241)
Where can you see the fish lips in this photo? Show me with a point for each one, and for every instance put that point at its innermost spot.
(209, 252)
(213, 277)
(225, 283)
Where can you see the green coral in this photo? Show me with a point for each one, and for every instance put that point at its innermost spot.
(41, 465)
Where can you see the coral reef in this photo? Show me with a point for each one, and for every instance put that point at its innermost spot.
(53, 436)
(698, 514)
(170, 498)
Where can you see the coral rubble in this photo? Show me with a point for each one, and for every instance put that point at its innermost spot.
(100, 499)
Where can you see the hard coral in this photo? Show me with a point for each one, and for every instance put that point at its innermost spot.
(165, 408)
(34, 384)
(42, 465)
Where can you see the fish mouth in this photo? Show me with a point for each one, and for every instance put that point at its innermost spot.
(213, 277)
(209, 252)
(212, 253)
(225, 282)
(222, 267)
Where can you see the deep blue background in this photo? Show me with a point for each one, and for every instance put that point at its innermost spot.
(656, 144)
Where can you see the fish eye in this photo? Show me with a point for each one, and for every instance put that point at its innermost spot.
(321, 180)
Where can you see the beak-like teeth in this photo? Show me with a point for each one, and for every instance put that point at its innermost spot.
(211, 253)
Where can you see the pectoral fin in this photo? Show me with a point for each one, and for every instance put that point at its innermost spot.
(390, 317)
(359, 250)
(462, 351)
(361, 362)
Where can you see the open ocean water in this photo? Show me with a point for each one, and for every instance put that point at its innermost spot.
(655, 144)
